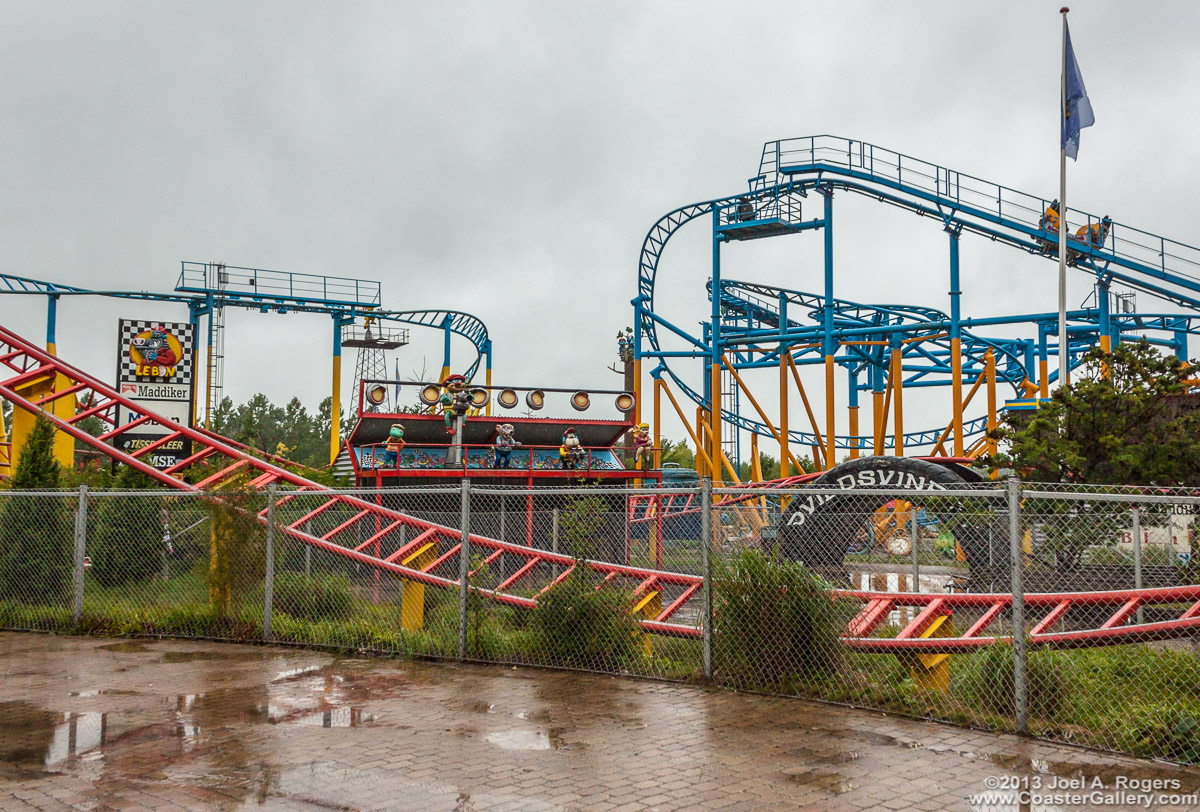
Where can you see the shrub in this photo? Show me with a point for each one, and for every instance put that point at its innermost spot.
(313, 597)
(1048, 677)
(237, 550)
(37, 540)
(1162, 730)
(127, 541)
(773, 620)
(578, 626)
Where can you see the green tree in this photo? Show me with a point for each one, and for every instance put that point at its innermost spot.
(36, 533)
(127, 539)
(1125, 420)
(678, 453)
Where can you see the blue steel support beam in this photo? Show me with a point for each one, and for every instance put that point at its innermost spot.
(827, 339)
(717, 349)
(51, 323)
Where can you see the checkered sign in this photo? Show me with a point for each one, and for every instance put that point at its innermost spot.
(174, 345)
(155, 371)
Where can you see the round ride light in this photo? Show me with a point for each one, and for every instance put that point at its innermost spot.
(625, 402)
(581, 400)
(430, 394)
(479, 398)
(508, 398)
(377, 393)
(536, 399)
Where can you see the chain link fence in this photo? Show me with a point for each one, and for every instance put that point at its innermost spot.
(899, 600)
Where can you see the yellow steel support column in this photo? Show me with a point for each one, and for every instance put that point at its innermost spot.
(784, 452)
(715, 416)
(931, 672)
(701, 442)
(830, 431)
(897, 382)
(637, 397)
(412, 593)
(956, 374)
(1044, 378)
(335, 410)
(703, 462)
(488, 381)
(853, 432)
(992, 422)
(658, 386)
(648, 608)
(1106, 348)
(23, 421)
(877, 417)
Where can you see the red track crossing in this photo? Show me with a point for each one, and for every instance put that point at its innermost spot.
(366, 530)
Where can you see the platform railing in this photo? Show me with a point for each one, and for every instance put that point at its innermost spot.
(586, 463)
(205, 277)
(992, 200)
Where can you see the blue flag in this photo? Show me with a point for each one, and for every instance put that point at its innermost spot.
(1077, 112)
(397, 397)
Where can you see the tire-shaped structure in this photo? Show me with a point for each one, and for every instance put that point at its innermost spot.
(818, 530)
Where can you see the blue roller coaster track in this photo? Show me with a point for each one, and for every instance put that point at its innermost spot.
(763, 321)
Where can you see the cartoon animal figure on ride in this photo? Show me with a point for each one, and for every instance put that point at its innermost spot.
(395, 442)
(156, 349)
(504, 444)
(455, 400)
(641, 445)
(570, 453)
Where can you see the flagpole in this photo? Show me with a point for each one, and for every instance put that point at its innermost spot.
(1064, 358)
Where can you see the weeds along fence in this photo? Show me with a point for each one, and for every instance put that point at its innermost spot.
(810, 592)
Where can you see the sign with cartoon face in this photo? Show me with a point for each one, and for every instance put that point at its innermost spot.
(155, 371)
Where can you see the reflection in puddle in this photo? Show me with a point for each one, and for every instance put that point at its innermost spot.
(336, 717)
(78, 733)
(519, 739)
(127, 647)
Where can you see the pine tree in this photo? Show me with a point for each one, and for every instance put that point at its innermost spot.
(36, 533)
(127, 544)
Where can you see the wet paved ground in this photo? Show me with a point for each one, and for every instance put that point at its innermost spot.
(157, 725)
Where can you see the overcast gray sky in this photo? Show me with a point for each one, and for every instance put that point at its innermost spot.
(508, 158)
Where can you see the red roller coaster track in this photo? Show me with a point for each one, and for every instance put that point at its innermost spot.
(24, 364)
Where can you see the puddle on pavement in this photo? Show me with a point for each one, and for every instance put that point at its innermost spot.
(519, 739)
(196, 656)
(126, 647)
(833, 783)
(103, 692)
(33, 738)
(1107, 773)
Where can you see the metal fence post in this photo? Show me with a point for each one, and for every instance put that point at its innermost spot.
(914, 536)
(269, 591)
(80, 544)
(464, 568)
(706, 568)
(1137, 557)
(1020, 692)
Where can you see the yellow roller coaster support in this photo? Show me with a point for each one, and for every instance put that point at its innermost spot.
(23, 421)
(412, 593)
(931, 672)
(648, 608)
